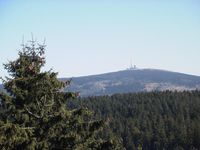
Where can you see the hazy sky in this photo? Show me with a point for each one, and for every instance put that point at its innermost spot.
(90, 37)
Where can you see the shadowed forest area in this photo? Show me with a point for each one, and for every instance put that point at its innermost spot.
(150, 121)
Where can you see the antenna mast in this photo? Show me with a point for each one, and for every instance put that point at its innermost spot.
(131, 67)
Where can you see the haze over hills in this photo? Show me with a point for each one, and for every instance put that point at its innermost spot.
(133, 80)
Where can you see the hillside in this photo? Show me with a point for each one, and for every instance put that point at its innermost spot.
(136, 80)
(133, 81)
(150, 120)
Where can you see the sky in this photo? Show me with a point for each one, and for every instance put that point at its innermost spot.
(92, 37)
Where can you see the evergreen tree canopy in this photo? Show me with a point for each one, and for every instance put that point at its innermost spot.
(34, 113)
(151, 120)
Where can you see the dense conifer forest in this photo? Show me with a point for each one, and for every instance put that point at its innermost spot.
(150, 121)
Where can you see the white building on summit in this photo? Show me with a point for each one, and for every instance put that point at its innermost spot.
(132, 67)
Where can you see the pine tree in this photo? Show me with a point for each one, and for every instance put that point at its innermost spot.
(34, 113)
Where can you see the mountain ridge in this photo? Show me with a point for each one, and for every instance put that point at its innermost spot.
(129, 70)
(134, 80)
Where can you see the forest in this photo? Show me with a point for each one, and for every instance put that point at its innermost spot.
(150, 121)
(36, 113)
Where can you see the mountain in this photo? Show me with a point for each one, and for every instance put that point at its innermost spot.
(134, 80)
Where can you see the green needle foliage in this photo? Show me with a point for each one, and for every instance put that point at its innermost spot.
(33, 111)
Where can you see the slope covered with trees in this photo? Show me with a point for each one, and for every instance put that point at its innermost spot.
(151, 121)
(33, 112)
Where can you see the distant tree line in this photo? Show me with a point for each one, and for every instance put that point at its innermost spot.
(150, 121)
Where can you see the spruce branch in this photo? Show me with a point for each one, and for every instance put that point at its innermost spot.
(32, 114)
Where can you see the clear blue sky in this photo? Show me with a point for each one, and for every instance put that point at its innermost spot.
(86, 37)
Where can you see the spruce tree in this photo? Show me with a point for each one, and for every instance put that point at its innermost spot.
(33, 110)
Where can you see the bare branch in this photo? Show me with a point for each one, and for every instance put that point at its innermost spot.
(34, 115)
(27, 128)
